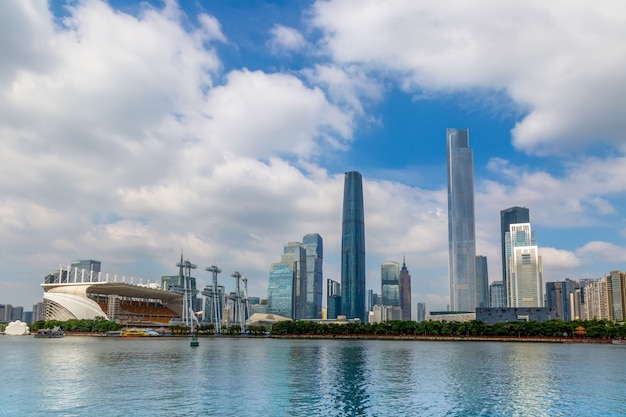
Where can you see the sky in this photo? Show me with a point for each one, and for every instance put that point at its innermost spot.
(132, 131)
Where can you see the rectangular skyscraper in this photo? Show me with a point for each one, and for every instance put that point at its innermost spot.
(512, 215)
(482, 282)
(524, 280)
(313, 245)
(390, 283)
(353, 248)
(286, 294)
(461, 233)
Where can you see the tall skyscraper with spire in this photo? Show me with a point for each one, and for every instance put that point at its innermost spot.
(461, 234)
(512, 215)
(353, 248)
(405, 291)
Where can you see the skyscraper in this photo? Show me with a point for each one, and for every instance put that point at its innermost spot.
(353, 248)
(314, 248)
(461, 234)
(524, 280)
(405, 291)
(496, 294)
(333, 299)
(512, 215)
(482, 282)
(421, 311)
(390, 283)
(286, 294)
(616, 295)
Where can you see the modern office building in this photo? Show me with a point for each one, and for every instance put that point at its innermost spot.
(482, 282)
(286, 294)
(405, 291)
(86, 270)
(353, 248)
(562, 296)
(616, 295)
(461, 233)
(314, 247)
(390, 283)
(421, 312)
(496, 294)
(333, 299)
(524, 281)
(512, 215)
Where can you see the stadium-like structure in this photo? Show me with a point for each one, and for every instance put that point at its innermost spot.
(67, 297)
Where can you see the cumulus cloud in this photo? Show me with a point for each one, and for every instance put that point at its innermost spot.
(285, 39)
(562, 61)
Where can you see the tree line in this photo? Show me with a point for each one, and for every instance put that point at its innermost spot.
(97, 325)
(597, 329)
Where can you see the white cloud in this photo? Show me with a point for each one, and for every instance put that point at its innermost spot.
(285, 39)
(563, 61)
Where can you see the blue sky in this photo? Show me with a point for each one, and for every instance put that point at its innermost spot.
(134, 130)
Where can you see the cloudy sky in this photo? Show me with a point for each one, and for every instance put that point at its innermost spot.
(131, 131)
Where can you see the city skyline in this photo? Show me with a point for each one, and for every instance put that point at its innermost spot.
(134, 130)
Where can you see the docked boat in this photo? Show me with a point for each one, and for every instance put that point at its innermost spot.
(53, 333)
(140, 333)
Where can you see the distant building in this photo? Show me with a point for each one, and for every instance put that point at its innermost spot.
(496, 294)
(38, 312)
(286, 294)
(390, 283)
(616, 295)
(383, 313)
(595, 305)
(86, 270)
(333, 299)
(512, 215)
(461, 316)
(512, 314)
(421, 312)
(524, 281)
(482, 282)
(461, 232)
(314, 247)
(562, 296)
(405, 291)
(353, 248)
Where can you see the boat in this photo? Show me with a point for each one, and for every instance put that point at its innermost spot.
(618, 341)
(140, 333)
(53, 333)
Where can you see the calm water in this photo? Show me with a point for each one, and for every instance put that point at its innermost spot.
(88, 376)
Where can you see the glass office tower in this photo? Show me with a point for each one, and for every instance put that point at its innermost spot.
(482, 282)
(314, 248)
(353, 248)
(390, 280)
(512, 215)
(461, 234)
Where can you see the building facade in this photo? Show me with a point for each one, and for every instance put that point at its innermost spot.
(512, 215)
(286, 294)
(333, 299)
(353, 248)
(405, 291)
(562, 296)
(496, 294)
(482, 282)
(86, 270)
(524, 283)
(390, 283)
(616, 294)
(461, 233)
(421, 312)
(595, 304)
(314, 247)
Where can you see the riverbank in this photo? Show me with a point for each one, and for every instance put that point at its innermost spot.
(531, 339)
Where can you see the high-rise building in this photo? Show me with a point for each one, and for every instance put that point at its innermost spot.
(85, 270)
(461, 233)
(421, 312)
(313, 245)
(560, 295)
(595, 306)
(390, 283)
(286, 294)
(405, 291)
(512, 215)
(524, 279)
(482, 282)
(616, 295)
(496, 294)
(333, 299)
(353, 248)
